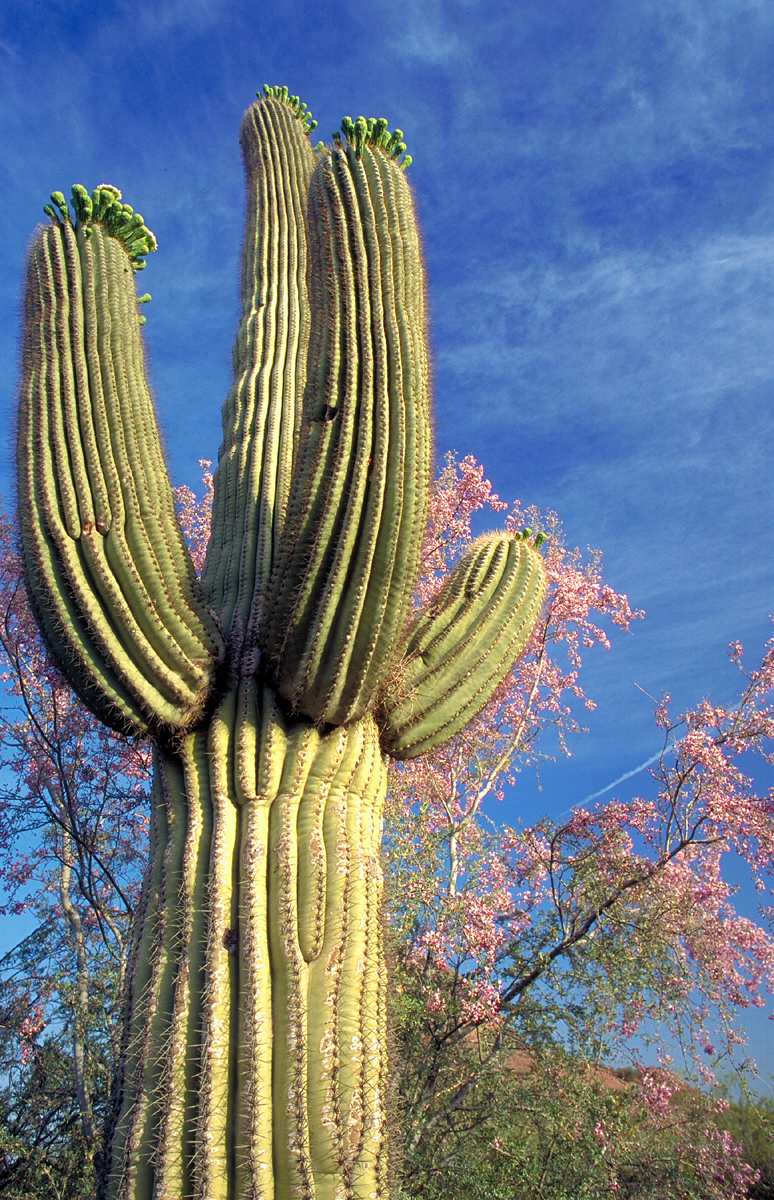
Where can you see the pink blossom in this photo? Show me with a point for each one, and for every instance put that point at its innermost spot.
(645, 875)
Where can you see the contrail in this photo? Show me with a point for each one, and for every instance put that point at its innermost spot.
(608, 787)
(622, 778)
(634, 771)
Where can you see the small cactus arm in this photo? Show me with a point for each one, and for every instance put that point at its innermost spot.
(252, 1057)
(462, 647)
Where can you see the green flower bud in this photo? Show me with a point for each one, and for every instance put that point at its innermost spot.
(380, 129)
(58, 199)
(136, 248)
(361, 131)
(112, 216)
(81, 202)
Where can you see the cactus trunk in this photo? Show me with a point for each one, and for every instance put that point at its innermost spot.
(253, 1055)
(253, 1061)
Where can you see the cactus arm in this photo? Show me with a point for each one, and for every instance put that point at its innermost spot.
(119, 408)
(262, 413)
(462, 647)
(348, 560)
(407, 374)
(107, 568)
(50, 527)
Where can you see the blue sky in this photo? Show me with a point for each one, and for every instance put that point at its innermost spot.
(595, 188)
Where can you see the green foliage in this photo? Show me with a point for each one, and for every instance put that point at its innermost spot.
(485, 1118)
(44, 1154)
(750, 1120)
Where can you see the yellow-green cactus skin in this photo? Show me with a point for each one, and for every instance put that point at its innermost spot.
(460, 649)
(253, 1060)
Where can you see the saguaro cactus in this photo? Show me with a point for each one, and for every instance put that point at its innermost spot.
(252, 1059)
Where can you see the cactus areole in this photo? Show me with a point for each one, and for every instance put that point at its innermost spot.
(253, 1056)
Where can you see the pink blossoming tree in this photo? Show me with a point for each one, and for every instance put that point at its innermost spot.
(73, 834)
(582, 935)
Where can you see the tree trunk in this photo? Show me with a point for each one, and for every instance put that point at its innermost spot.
(253, 1061)
(81, 995)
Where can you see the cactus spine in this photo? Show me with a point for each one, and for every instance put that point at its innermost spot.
(252, 1061)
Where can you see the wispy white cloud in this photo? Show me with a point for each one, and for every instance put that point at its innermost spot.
(434, 33)
(631, 329)
(158, 18)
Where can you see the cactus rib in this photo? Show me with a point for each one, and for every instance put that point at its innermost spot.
(307, 1107)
